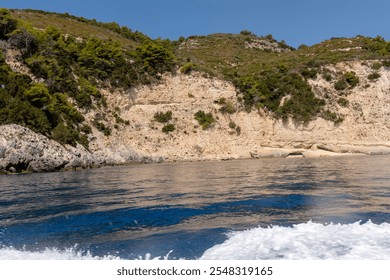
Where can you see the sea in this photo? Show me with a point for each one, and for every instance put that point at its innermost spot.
(267, 209)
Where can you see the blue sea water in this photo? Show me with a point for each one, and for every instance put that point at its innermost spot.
(295, 208)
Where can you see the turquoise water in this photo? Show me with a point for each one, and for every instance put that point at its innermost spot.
(337, 208)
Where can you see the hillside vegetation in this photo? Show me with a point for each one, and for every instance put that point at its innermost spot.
(71, 60)
(70, 71)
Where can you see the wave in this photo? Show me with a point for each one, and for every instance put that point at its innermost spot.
(10, 253)
(307, 241)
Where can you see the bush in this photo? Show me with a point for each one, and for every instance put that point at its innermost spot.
(38, 95)
(327, 76)
(188, 68)
(343, 102)
(303, 47)
(267, 90)
(374, 76)
(23, 113)
(351, 78)
(376, 66)
(65, 135)
(163, 117)
(168, 128)
(228, 107)
(348, 79)
(205, 120)
(232, 125)
(386, 63)
(102, 128)
(238, 130)
(7, 23)
(341, 84)
(331, 116)
(24, 41)
(155, 58)
(309, 73)
(86, 129)
(246, 33)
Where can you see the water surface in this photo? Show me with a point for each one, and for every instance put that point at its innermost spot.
(182, 210)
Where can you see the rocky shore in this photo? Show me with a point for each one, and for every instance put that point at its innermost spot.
(22, 150)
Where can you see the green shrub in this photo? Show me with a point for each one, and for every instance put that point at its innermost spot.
(119, 120)
(168, 128)
(163, 117)
(38, 95)
(155, 58)
(102, 128)
(246, 33)
(83, 100)
(303, 47)
(7, 23)
(232, 125)
(267, 90)
(23, 113)
(227, 107)
(376, 66)
(374, 76)
(327, 76)
(86, 129)
(331, 116)
(343, 102)
(309, 73)
(351, 78)
(386, 63)
(188, 68)
(205, 120)
(65, 135)
(341, 84)
(282, 68)
(24, 41)
(238, 130)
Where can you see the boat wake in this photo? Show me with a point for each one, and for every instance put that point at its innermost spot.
(306, 241)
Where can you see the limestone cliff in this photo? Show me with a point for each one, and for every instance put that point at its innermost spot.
(365, 128)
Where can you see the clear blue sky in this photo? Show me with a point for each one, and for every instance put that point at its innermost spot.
(295, 21)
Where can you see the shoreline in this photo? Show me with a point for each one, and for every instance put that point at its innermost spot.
(263, 153)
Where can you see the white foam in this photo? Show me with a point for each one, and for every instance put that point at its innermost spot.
(9, 253)
(306, 241)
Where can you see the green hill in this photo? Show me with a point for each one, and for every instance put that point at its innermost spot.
(70, 60)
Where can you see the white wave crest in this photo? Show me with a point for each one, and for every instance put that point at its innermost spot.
(9, 253)
(307, 241)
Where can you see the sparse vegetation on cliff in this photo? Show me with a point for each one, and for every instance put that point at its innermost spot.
(282, 93)
(162, 117)
(204, 119)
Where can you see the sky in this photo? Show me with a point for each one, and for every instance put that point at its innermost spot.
(295, 21)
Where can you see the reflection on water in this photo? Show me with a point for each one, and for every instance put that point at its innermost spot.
(136, 202)
(333, 185)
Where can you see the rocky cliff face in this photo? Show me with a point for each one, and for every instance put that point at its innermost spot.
(364, 130)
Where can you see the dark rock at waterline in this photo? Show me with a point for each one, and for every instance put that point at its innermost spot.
(22, 150)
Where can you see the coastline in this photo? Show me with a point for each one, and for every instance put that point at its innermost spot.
(365, 129)
(24, 151)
